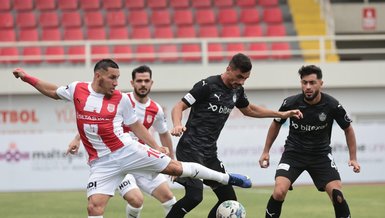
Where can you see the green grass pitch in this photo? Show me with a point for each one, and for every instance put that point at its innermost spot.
(365, 201)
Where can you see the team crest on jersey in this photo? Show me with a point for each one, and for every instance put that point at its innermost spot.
(149, 118)
(322, 116)
(110, 108)
(234, 97)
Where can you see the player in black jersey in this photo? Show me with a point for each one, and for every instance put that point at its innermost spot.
(211, 101)
(308, 144)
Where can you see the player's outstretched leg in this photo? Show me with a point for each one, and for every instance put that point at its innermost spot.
(195, 170)
(240, 180)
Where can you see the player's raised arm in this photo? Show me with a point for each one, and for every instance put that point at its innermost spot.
(253, 110)
(176, 115)
(46, 88)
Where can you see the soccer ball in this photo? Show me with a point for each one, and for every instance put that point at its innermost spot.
(231, 209)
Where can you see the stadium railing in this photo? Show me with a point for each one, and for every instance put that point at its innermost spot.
(204, 54)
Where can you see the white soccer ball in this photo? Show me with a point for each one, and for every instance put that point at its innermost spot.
(231, 209)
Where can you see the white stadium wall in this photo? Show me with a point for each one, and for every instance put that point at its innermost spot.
(35, 130)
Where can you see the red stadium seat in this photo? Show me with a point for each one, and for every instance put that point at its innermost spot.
(68, 4)
(112, 4)
(234, 47)
(157, 4)
(138, 18)
(141, 33)
(135, 4)
(246, 3)
(272, 15)
(26, 20)
(261, 50)
(7, 35)
(98, 51)
(268, 3)
(227, 16)
(165, 50)
(163, 32)
(187, 31)
(208, 31)
(45, 4)
(160, 17)
(231, 31)
(122, 53)
(96, 33)
(9, 55)
(283, 50)
(253, 30)
(31, 54)
(89, 4)
(76, 53)
(23, 5)
(71, 19)
(223, 3)
(49, 19)
(183, 17)
(116, 18)
(215, 52)
(5, 5)
(190, 52)
(249, 15)
(201, 3)
(54, 54)
(145, 53)
(276, 30)
(179, 3)
(6, 21)
(93, 19)
(205, 16)
(120, 32)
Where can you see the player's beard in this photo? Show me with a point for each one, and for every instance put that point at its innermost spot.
(107, 93)
(142, 94)
(312, 97)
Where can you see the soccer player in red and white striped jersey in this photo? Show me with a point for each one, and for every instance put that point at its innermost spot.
(100, 112)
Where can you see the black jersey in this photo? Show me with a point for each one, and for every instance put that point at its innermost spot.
(211, 103)
(312, 133)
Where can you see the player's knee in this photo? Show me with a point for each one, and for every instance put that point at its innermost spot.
(337, 196)
(194, 199)
(279, 194)
(135, 200)
(94, 209)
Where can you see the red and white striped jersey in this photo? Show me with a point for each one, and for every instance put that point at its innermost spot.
(99, 119)
(150, 113)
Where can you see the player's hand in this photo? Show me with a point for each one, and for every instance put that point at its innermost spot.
(264, 160)
(19, 73)
(178, 130)
(355, 165)
(164, 150)
(292, 113)
(73, 147)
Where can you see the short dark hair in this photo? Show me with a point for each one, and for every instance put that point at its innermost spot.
(310, 69)
(241, 62)
(141, 69)
(105, 64)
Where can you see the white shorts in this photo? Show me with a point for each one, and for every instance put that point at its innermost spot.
(148, 185)
(107, 172)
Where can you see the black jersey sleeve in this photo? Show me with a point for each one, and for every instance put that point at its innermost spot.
(341, 116)
(242, 100)
(199, 91)
(285, 106)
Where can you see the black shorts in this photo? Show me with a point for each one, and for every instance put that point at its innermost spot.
(210, 162)
(321, 168)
